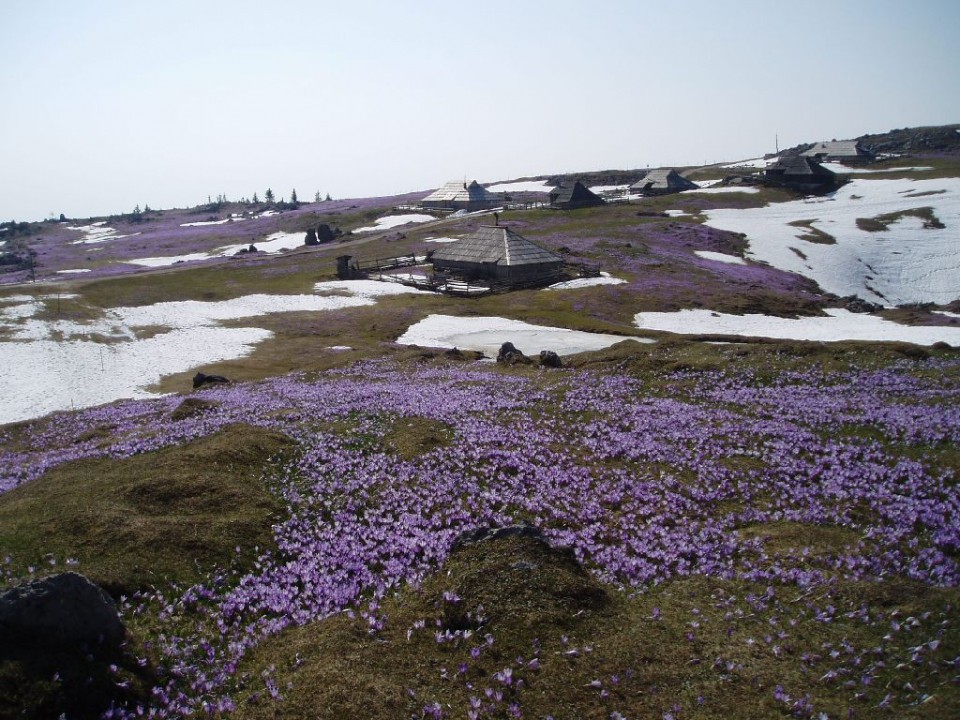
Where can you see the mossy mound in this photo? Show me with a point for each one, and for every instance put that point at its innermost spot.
(150, 518)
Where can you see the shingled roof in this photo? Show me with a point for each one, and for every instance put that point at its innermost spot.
(838, 150)
(799, 166)
(496, 245)
(455, 193)
(663, 180)
(573, 195)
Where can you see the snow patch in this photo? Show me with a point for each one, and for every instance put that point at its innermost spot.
(81, 372)
(365, 289)
(604, 279)
(607, 189)
(487, 334)
(846, 170)
(757, 163)
(97, 232)
(521, 186)
(277, 242)
(714, 189)
(720, 257)
(836, 326)
(168, 260)
(203, 223)
(392, 221)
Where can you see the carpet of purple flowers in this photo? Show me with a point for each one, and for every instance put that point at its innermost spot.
(648, 478)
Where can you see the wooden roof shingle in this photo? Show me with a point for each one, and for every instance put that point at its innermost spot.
(461, 192)
(663, 179)
(498, 245)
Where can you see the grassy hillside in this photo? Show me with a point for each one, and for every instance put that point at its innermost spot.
(733, 529)
(763, 530)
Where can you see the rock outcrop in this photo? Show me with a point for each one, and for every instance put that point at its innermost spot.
(65, 610)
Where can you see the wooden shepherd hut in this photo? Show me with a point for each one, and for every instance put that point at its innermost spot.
(461, 196)
(844, 151)
(799, 173)
(497, 254)
(662, 182)
(569, 196)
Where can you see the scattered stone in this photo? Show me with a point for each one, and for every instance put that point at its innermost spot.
(548, 358)
(61, 610)
(201, 379)
(460, 355)
(941, 345)
(859, 305)
(511, 356)
(327, 234)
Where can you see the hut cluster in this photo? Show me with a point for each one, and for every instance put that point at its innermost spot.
(495, 257)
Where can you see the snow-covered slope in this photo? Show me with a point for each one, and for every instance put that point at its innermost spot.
(909, 262)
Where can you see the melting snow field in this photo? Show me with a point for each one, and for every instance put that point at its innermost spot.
(487, 334)
(97, 232)
(277, 242)
(720, 257)
(204, 223)
(164, 261)
(847, 170)
(604, 279)
(274, 243)
(907, 263)
(757, 163)
(51, 365)
(838, 325)
(522, 186)
(392, 221)
(717, 189)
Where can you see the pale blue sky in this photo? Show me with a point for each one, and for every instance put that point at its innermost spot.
(109, 104)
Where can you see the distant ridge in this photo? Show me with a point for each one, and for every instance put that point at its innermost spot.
(933, 139)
